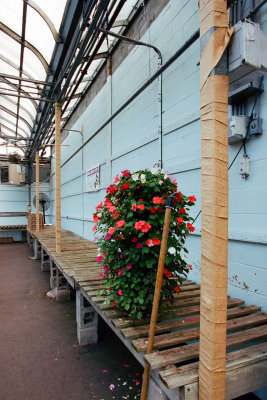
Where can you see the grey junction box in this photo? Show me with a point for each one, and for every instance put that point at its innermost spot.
(247, 53)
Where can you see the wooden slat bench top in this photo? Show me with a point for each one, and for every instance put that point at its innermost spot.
(176, 343)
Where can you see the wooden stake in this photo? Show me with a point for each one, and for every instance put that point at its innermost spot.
(156, 300)
(37, 191)
(58, 194)
(215, 36)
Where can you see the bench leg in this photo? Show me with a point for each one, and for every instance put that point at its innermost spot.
(87, 321)
(53, 274)
(45, 261)
(155, 392)
(36, 250)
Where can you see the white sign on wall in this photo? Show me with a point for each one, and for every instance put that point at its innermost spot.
(92, 179)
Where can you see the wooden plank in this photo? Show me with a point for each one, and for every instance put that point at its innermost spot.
(191, 351)
(174, 338)
(165, 326)
(179, 376)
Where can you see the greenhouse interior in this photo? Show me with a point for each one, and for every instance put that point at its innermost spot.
(133, 266)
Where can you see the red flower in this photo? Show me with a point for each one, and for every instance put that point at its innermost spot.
(179, 197)
(190, 266)
(134, 240)
(140, 201)
(153, 210)
(180, 221)
(165, 195)
(94, 228)
(112, 304)
(134, 207)
(141, 207)
(111, 230)
(119, 224)
(125, 186)
(159, 210)
(176, 289)
(157, 200)
(139, 245)
(182, 211)
(156, 241)
(192, 199)
(149, 242)
(190, 227)
(112, 189)
(145, 227)
(125, 172)
(96, 218)
(167, 273)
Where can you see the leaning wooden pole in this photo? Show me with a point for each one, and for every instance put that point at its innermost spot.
(58, 191)
(214, 38)
(37, 191)
(156, 299)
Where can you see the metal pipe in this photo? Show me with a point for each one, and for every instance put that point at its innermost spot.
(25, 79)
(178, 53)
(256, 9)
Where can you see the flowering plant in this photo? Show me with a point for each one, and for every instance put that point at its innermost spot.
(130, 224)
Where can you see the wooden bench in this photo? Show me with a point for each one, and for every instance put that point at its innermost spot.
(174, 363)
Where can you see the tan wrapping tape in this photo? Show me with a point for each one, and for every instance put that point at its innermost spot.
(214, 247)
(58, 191)
(37, 191)
(213, 51)
(212, 13)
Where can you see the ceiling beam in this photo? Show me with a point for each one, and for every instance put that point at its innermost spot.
(12, 131)
(28, 97)
(13, 124)
(26, 79)
(3, 108)
(15, 66)
(45, 18)
(15, 86)
(22, 107)
(27, 44)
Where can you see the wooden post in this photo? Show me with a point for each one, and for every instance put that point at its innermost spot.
(37, 191)
(58, 192)
(214, 38)
(156, 299)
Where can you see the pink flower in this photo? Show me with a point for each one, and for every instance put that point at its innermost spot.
(134, 240)
(111, 231)
(96, 238)
(100, 275)
(120, 292)
(94, 228)
(149, 242)
(141, 207)
(119, 224)
(120, 271)
(157, 200)
(139, 224)
(134, 207)
(139, 245)
(112, 209)
(128, 266)
(108, 236)
(125, 172)
(98, 259)
(116, 179)
(121, 255)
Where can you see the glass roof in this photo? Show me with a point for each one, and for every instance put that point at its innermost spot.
(28, 35)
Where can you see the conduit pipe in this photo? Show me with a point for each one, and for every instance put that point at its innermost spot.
(140, 43)
(177, 54)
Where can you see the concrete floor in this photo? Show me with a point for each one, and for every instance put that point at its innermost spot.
(40, 358)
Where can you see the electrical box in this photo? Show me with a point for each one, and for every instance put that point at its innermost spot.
(244, 167)
(15, 174)
(247, 54)
(237, 128)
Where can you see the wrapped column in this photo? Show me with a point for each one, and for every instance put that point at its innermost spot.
(214, 82)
